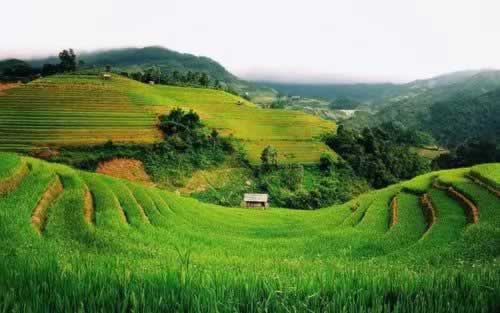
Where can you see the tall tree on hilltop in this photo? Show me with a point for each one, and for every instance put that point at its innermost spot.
(68, 60)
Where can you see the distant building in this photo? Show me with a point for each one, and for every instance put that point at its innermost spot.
(256, 200)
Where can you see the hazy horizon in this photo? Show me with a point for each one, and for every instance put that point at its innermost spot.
(291, 41)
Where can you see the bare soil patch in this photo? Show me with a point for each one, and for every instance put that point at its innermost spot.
(129, 169)
(5, 86)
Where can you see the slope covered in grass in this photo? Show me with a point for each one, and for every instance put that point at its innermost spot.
(84, 109)
(143, 249)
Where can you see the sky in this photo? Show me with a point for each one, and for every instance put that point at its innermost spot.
(286, 40)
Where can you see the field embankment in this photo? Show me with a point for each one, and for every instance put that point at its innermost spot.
(133, 247)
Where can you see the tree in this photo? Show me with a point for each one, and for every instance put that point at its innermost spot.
(178, 121)
(68, 61)
(470, 153)
(326, 163)
(204, 80)
(137, 76)
(50, 69)
(217, 84)
(269, 158)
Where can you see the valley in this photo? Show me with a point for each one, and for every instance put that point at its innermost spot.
(108, 240)
(142, 179)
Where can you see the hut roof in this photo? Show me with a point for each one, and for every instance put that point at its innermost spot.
(255, 197)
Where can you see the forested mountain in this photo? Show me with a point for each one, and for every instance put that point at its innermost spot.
(381, 93)
(452, 112)
(143, 58)
(454, 121)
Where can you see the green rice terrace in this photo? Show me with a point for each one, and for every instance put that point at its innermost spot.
(85, 109)
(74, 241)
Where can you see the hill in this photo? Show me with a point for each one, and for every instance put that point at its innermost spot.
(142, 58)
(85, 109)
(374, 94)
(365, 93)
(472, 101)
(426, 245)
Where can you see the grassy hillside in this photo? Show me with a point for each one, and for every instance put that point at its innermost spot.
(84, 109)
(75, 241)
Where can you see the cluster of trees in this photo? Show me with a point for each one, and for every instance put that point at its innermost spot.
(184, 130)
(401, 135)
(472, 152)
(344, 103)
(14, 70)
(334, 182)
(68, 63)
(377, 155)
(188, 146)
(176, 78)
(17, 70)
(463, 118)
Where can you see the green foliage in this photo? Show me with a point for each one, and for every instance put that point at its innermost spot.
(178, 122)
(14, 70)
(377, 155)
(463, 118)
(469, 153)
(269, 158)
(176, 78)
(68, 61)
(326, 163)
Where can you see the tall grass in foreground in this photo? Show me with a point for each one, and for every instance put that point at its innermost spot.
(52, 288)
(147, 250)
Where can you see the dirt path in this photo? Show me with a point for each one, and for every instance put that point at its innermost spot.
(40, 216)
(11, 183)
(394, 212)
(88, 207)
(428, 210)
(471, 210)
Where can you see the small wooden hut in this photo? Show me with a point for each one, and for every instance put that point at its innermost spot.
(256, 200)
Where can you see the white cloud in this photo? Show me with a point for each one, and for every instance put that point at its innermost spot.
(365, 39)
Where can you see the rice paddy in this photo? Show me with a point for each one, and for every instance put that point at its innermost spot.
(112, 245)
(85, 109)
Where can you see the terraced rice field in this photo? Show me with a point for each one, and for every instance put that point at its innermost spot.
(95, 243)
(70, 110)
(80, 109)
